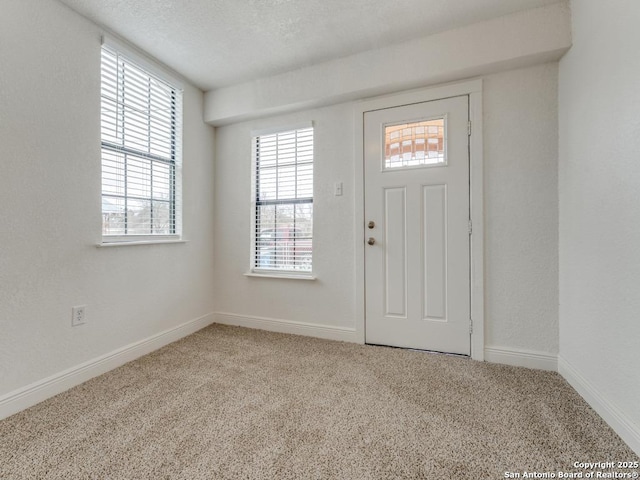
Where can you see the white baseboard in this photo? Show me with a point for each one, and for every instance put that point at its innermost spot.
(521, 358)
(288, 326)
(617, 420)
(25, 397)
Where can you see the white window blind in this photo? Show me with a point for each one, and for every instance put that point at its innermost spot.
(141, 123)
(283, 224)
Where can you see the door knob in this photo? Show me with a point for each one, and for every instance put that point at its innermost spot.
(371, 241)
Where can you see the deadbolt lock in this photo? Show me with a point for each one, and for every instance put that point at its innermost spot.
(371, 224)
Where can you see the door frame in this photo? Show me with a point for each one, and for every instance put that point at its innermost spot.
(472, 88)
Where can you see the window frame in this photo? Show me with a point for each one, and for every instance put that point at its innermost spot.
(155, 71)
(256, 203)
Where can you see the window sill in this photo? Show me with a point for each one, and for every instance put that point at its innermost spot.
(137, 242)
(286, 276)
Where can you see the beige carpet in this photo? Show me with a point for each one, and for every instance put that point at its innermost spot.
(230, 402)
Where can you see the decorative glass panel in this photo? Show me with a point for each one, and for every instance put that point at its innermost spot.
(414, 144)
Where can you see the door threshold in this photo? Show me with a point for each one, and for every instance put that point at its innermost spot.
(419, 350)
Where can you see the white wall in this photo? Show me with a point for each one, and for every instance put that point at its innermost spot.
(327, 301)
(50, 208)
(520, 208)
(599, 185)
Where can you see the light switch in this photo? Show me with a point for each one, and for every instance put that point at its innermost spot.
(337, 189)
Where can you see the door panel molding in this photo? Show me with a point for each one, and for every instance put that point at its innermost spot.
(395, 241)
(434, 217)
(473, 88)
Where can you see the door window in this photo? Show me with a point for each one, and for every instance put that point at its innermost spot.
(414, 144)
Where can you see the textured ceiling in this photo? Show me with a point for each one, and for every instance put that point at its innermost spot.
(216, 43)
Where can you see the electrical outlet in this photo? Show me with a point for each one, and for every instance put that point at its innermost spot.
(78, 316)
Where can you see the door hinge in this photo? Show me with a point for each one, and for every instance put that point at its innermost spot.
(470, 326)
(470, 227)
(469, 128)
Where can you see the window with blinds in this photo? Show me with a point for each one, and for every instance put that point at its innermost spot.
(283, 224)
(141, 117)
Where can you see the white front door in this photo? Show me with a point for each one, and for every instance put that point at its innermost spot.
(417, 274)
